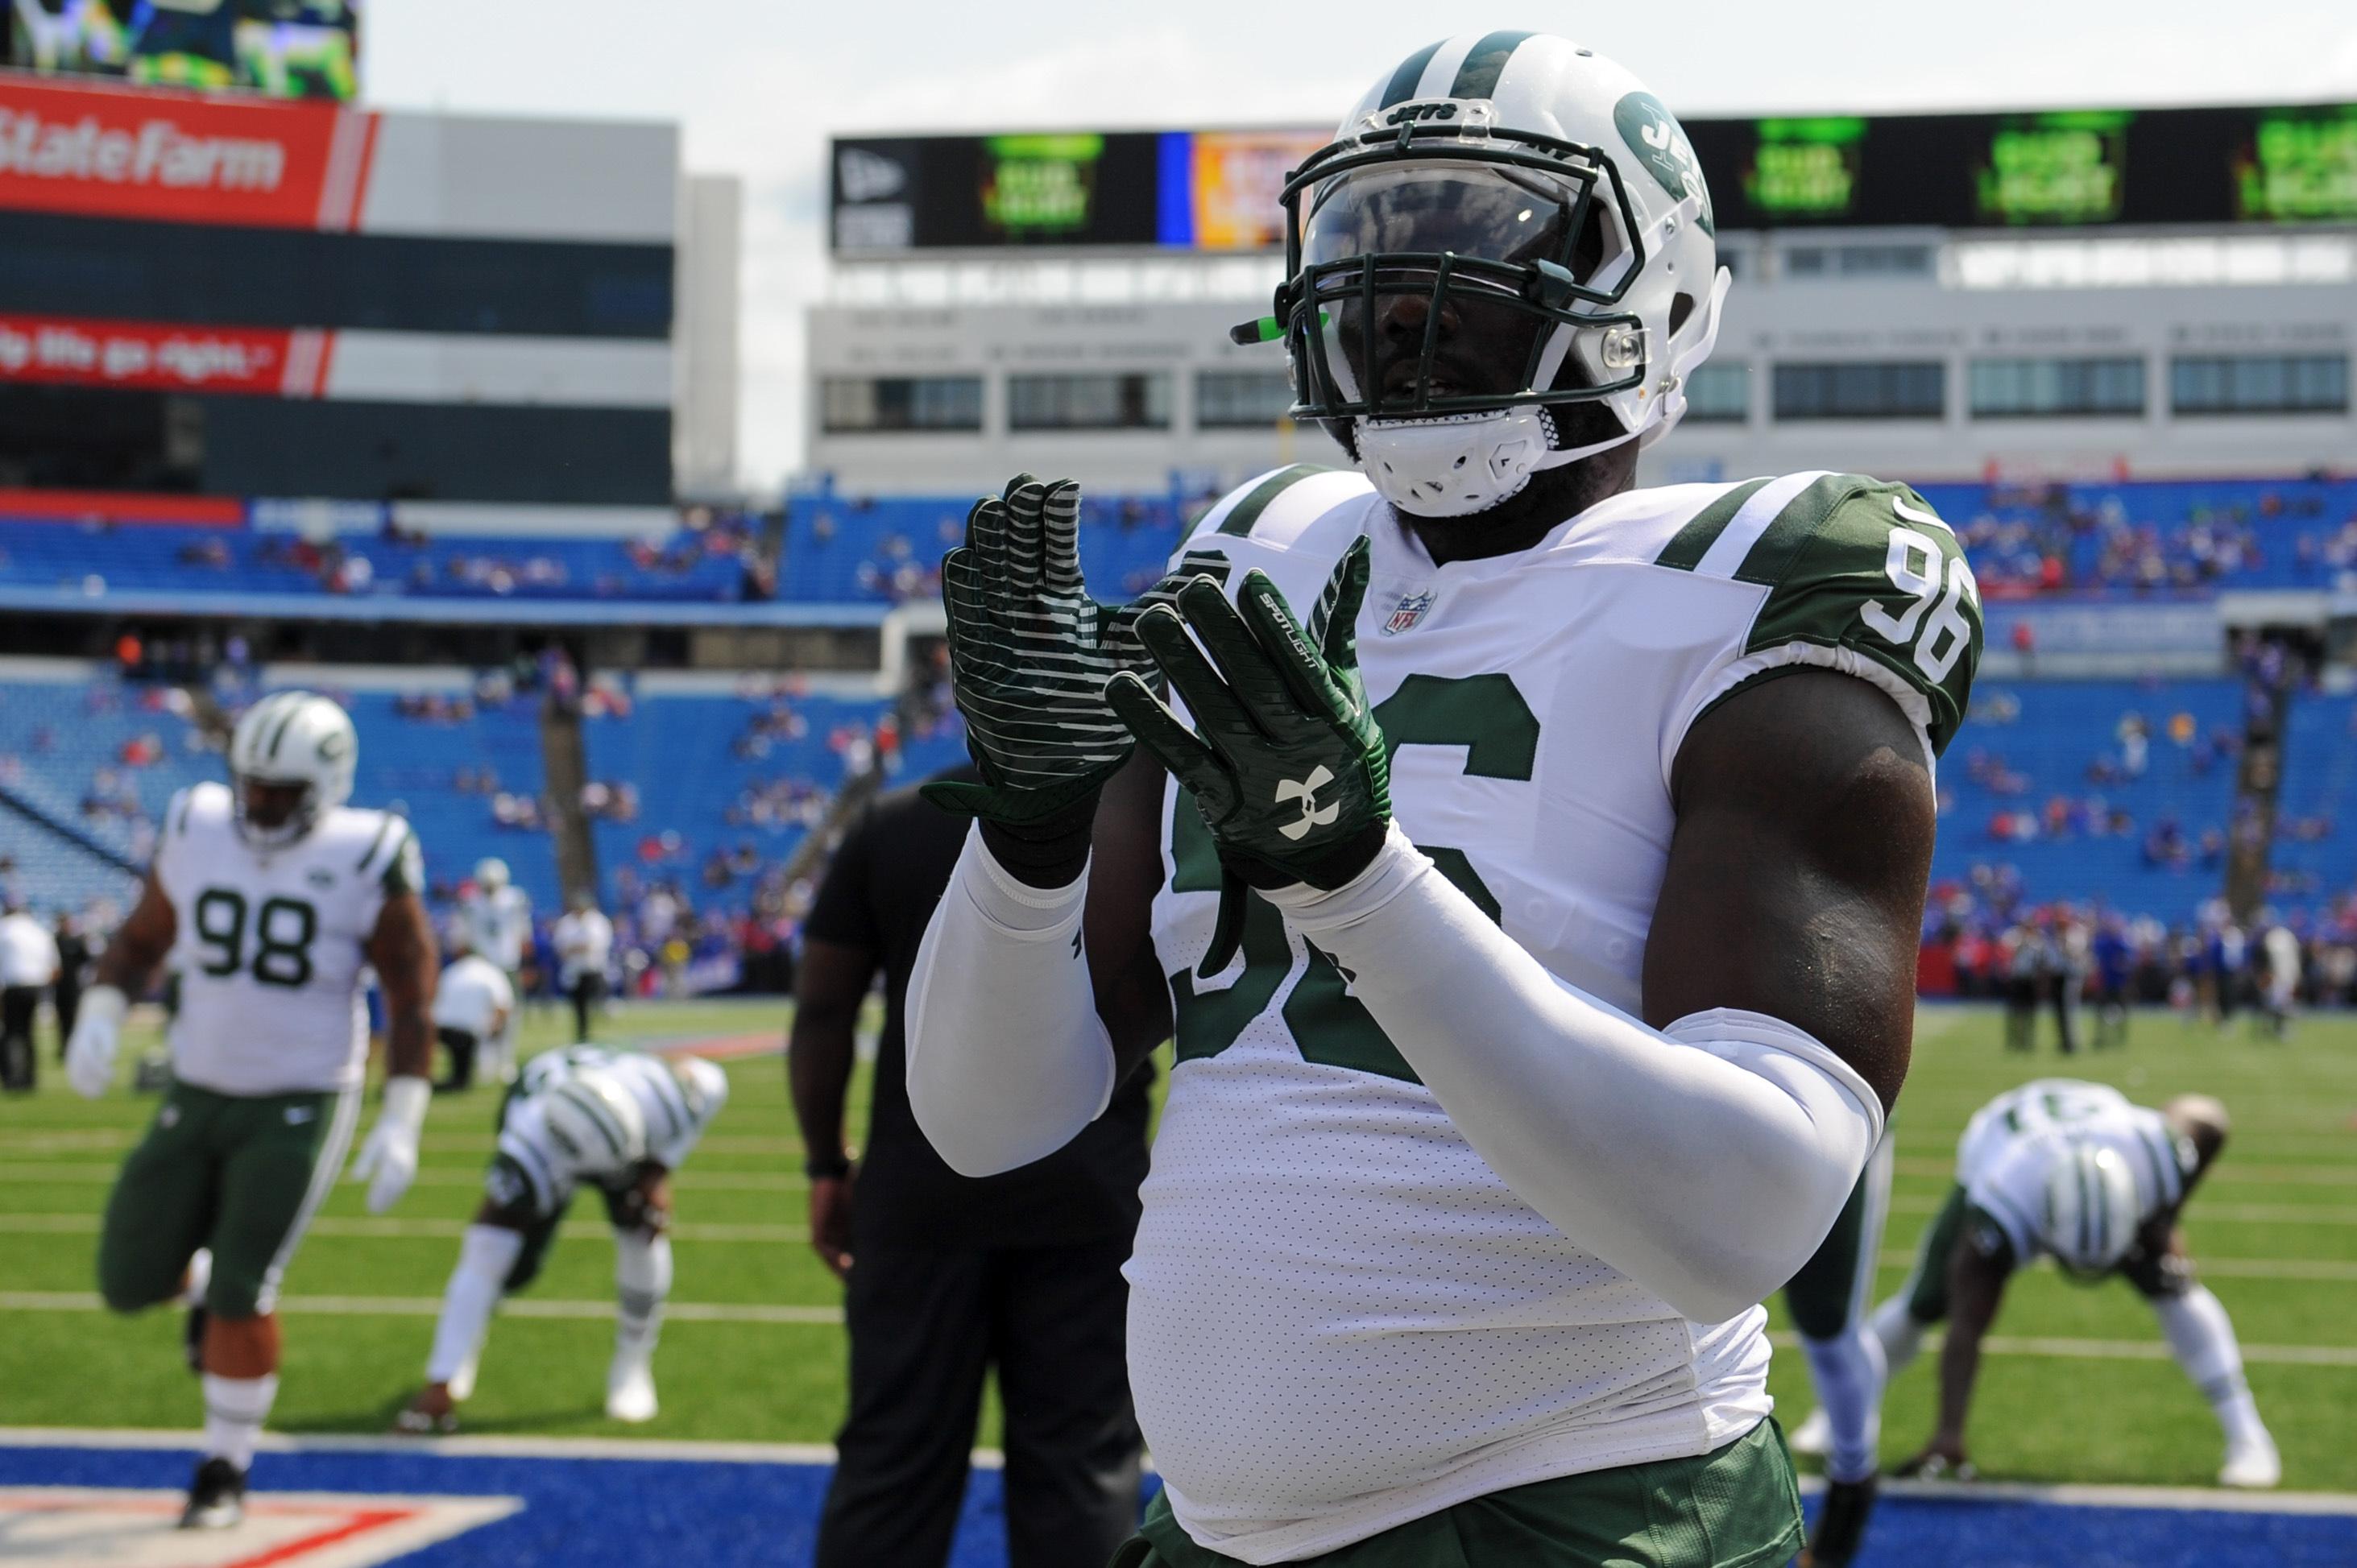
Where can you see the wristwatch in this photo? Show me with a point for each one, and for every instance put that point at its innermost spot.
(827, 1167)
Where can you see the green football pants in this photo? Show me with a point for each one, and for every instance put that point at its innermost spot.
(1737, 1507)
(241, 1176)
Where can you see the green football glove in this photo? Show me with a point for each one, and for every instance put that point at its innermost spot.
(1029, 655)
(1285, 762)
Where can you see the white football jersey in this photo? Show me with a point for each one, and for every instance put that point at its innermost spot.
(2013, 1141)
(270, 943)
(499, 925)
(674, 1117)
(1341, 1318)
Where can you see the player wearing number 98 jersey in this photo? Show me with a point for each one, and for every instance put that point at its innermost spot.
(271, 896)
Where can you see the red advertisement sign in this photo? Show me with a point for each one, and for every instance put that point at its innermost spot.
(268, 362)
(122, 153)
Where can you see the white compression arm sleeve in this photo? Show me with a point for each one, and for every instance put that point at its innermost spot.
(1008, 1060)
(485, 1256)
(1706, 1161)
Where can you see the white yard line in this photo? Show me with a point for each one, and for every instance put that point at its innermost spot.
(403, 1229)
(772, 1313)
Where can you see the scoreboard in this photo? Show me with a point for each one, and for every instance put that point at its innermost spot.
(1216, 190)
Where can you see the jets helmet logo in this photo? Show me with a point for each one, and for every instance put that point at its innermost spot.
(1660, 142)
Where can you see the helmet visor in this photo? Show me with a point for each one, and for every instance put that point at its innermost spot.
(1481, 212)
(1442, 286)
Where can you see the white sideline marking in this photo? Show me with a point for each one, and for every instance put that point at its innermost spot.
(757, 1311)
(487, 1447)
(2199, 1500)
(124, 1525)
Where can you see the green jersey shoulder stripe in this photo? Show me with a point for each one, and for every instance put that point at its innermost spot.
(1477, 77)
(1779, 543)
(1239, 522)
(180, 817)
(383, 826)
(1693, 542)
(1401, 86)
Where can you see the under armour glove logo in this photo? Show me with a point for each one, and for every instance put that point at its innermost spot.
(1305, 791)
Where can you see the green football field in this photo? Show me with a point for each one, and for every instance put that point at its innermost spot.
(2078, 1386)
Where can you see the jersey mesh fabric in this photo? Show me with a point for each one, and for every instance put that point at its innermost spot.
(270, 944)
(1340, 1317)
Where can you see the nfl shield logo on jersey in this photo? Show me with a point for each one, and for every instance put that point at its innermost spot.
(1407, 612)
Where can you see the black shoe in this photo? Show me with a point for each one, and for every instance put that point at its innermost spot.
(216, 1498)
(193, 1341)
(1841, 1524)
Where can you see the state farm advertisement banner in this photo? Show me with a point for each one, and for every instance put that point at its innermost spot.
(126, 152)
(266, 361)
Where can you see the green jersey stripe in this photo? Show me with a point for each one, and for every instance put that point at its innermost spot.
(1794, 527)
(180, 821)
(1694, 540)
(1477, 77)
(1239, 522)
(1401, 86)
(383, 826)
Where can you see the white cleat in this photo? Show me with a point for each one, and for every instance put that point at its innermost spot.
(2253, 1466)
(462, 1381)
(1814, 1438)
(630, 1390)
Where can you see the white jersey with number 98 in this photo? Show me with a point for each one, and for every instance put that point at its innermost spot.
(270, 943)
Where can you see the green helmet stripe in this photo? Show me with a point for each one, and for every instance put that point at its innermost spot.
(1401, 86)
(293, 706)
(1477, 77)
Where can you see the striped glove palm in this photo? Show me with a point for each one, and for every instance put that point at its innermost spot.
(1029, 656)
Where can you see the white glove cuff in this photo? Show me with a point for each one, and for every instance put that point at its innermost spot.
(405, 1098)
(104, 1004)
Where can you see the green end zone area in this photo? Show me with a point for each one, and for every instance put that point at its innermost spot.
(2080, 1387)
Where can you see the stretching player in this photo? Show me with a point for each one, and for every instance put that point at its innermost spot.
(270, 896)
(1532, 879)
(616, 1120)
(2073, 1170)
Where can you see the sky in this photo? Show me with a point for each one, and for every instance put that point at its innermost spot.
(759, 85)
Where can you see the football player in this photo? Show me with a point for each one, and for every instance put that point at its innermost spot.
(270, 896)
(1529, 865)
(2075, 1171)
(497, 921)
(615, 1121)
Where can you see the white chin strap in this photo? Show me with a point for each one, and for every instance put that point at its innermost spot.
(1455, 465)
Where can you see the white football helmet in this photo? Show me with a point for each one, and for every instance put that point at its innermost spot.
(292, 739)
(597, 1124)
(705, 1085)
(490, 873)
(2092, 1212)
(1506, 174)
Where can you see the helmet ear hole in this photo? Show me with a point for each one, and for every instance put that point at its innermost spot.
(1681, 305)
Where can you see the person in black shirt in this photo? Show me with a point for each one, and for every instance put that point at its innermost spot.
(947, 1274)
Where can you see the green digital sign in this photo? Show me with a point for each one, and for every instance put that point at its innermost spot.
(1805, 169)
(1040, 185)
(2055, 168)
(2302, 169)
